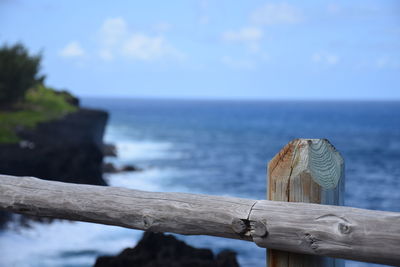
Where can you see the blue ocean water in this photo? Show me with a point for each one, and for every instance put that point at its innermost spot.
(227, 144)
(222, 148)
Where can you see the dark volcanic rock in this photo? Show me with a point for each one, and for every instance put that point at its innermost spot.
(108, 167)
(4, 218)
(109, 150)
(130, 168)
(159, 250)
(67, 150)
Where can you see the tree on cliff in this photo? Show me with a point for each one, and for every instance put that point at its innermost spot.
(19, 71)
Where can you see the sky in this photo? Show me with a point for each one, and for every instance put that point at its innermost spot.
(209, 49)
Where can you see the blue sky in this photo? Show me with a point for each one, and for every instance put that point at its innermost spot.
(213, 49)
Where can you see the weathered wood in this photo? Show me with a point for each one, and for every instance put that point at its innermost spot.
(311, 171)
(304, 228)
(333, 231)
(180, 213)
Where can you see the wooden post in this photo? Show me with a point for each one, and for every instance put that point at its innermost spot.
(311, 171)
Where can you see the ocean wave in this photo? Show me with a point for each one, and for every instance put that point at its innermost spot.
(152, 179)
(145, 150)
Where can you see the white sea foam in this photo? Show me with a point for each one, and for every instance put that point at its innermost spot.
(144, 153)
(130, 148)
(144, 150)
(152, 179)
(61, 242)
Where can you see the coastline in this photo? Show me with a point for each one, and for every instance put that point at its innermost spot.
(68, 149)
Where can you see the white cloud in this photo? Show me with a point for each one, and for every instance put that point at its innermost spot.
(162, 27)
(332, 59)
(204, 6)
(250, 36)
(325, 58)
(238, 64)
(143, 47)
(385, 62)
(106, 54)
(282, 13)
(117, 40)
(247, 34)
(72, 49)
(113, 30)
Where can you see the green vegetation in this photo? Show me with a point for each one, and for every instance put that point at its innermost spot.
(18, 72)
(40, 104)
(24, 100)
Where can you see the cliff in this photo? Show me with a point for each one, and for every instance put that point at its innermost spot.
(68, 149)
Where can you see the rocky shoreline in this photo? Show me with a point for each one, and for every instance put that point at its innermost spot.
(71, 149)
(67, 150)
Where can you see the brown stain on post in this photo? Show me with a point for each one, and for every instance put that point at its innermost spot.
(280, 169)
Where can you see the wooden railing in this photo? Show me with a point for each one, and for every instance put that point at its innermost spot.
(298, 234)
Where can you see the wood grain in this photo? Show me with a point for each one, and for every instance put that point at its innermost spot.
(334, 231)
(304, 228)
(188, 214)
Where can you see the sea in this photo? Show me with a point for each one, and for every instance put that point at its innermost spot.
(220, 148)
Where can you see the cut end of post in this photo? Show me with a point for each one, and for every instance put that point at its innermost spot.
(324, 162)
(304, 164)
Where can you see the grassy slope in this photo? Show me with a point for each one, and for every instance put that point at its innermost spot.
(40, 104)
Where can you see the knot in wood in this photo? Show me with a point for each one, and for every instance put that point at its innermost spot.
(259, 229)
(147, 221)
(239, 226)
(312, 241)
(344, 228)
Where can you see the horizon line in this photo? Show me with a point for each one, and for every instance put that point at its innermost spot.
(227, 99)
